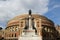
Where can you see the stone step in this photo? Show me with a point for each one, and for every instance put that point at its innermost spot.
(30, 38)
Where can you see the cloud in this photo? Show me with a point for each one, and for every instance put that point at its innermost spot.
(11, 8)
(56, 6)
(53, 7)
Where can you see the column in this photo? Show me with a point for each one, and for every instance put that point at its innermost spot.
(30, 23)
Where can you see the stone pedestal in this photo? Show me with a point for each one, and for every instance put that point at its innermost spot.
(29, 35)
(30, 38)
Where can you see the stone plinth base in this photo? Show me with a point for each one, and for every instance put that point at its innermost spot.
(30, 38)
(29, 35)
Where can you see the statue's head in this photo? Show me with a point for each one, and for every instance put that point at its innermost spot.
(30, 12)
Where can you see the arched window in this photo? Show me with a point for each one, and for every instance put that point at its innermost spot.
(38, 24)
(12, 28)
(15, 34)
(45, 28)
(21, 24)
(16, 28)
(12, 35)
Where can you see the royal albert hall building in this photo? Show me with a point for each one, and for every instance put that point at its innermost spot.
(30, 27)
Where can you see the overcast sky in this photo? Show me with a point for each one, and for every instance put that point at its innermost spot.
(12, 8)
